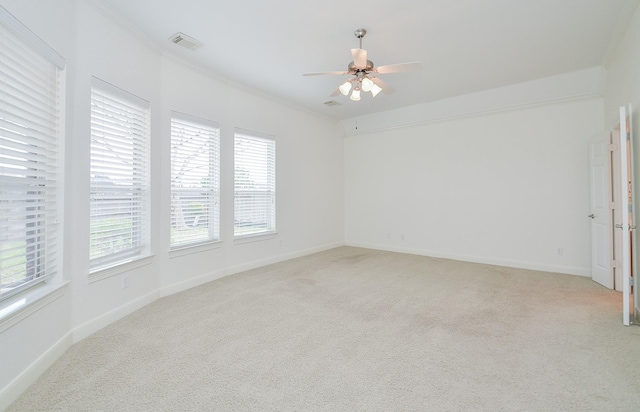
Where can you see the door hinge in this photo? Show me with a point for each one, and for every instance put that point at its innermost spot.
(612, 205)
(612, 147)
(613, 264)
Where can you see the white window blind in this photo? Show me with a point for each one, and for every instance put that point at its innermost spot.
(30, 134)
(119, 203)
(255, 184)
(195, 181)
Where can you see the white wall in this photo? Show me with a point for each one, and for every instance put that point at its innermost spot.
(508, 187)
(623, 74)
(623, 87)
(110, 53)
(309, 177)
(572, 85)
(39, 333)
(309, 183)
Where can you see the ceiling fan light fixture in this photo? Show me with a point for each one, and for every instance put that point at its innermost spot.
(375, 89)
(345, 87)
(355, 95)
(364, 74)
(367, 84)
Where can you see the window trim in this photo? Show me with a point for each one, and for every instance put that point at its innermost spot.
(272, 231)
(53, 238)
(214, 174)
(111, 263)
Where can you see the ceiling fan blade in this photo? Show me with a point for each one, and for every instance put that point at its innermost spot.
(386, 89)
(359, 58)
(335, 93)
(324, 73)
(398, 68)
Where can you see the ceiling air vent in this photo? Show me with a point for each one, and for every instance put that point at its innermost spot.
(183, 40)
(332, 103)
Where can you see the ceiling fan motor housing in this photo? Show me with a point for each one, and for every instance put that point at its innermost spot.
(352, 69)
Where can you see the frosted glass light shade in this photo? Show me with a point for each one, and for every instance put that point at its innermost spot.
(355, 95)
(367, 84)
(375, 89)
(345, 87)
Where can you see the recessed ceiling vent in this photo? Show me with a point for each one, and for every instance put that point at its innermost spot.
(332, 103)
(183, 40)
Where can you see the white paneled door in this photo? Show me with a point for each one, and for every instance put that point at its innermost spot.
(601, 232)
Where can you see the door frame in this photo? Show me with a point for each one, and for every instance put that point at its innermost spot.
(620, 215)
(627, 217)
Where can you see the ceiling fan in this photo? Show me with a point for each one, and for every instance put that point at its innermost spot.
(365, 74)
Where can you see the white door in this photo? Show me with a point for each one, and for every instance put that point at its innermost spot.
(627, 220)
(601, 270)
(617, 196)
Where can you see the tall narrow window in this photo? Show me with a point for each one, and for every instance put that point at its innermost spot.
(195, 182)
(255, 184)
(119, 212)
(30, 138)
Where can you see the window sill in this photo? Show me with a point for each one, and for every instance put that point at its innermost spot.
(198, 248)
(24, 304)
(241, 240)
(119, 268)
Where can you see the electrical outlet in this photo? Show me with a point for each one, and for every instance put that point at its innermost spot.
(125, 282)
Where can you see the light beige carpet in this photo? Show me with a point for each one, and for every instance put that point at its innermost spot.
(359, 330)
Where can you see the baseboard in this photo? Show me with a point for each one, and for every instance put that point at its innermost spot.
(569, 270)
(16, 387)
(94, 325)
(206, 278)
(191, 283)
(281, 258)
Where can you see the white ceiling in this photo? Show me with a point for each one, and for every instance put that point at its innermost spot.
(464, 46)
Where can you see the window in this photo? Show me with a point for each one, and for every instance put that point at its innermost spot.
(195, 182)
(31, 74)
(119, 203)
(255, 184)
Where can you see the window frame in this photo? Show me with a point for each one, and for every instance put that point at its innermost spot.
(210, 195)
(136, 180)
(268, 179)
(33, 156)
